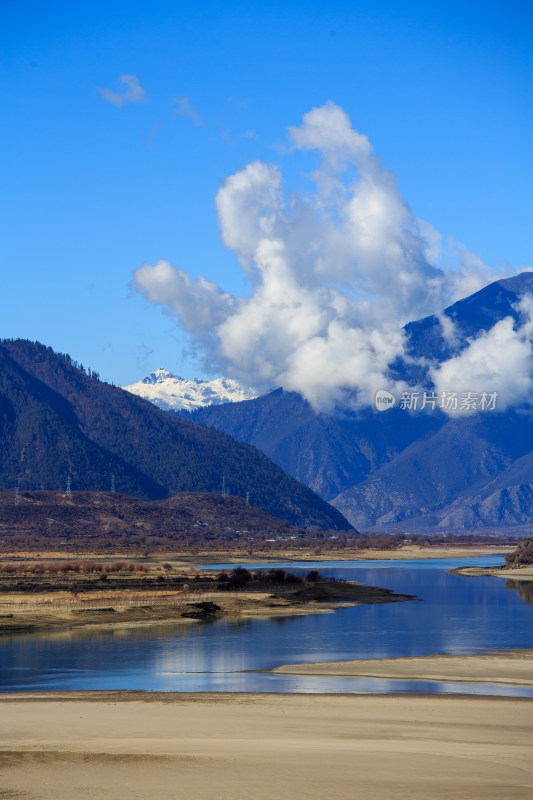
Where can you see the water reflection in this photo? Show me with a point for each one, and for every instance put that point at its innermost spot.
(524, 589)
(100, 634)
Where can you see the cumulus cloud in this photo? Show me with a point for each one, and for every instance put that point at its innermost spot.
(334, 273)
(199, 304)
(130, 94)
(498, 361)
(182, 106)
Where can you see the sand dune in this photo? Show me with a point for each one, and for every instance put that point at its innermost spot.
(169, 746)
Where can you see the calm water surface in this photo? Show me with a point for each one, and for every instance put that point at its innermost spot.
(453, 615)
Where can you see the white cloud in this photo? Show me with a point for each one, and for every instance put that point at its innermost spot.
(183, 107)
(448, 329)
(199, 304)
(335, 273)
(132, 92)
(343, 360)
(248, 205)
(499, 360)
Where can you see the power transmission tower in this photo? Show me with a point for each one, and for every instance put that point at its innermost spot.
(68, 484)
(224, 487)
(113, 483)
(247, 498)
(17, 498)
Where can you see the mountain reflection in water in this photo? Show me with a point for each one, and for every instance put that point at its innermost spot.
(524, 589)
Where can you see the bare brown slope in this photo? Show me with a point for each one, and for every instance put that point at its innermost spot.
(105, 520)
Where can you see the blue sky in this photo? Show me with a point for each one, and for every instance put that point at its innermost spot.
(94, 189)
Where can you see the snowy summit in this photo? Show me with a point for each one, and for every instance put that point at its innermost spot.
(172, 393)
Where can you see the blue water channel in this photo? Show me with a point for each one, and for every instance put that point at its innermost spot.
(453, 614)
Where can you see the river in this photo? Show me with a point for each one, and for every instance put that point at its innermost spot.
(453, 614)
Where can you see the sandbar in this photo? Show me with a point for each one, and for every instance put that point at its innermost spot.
(515, 574)
(507, 667)
(29, 613)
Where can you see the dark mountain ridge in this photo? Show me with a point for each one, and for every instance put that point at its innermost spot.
(57, 420)
(471, 316)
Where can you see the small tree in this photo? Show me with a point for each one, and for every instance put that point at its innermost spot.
(239, 577)
(74, 589)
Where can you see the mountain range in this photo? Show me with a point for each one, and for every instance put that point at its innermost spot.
(172, 393)
(399, 470)
(388, 471)
(57, 420)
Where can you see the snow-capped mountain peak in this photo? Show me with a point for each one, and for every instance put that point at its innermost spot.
(172, 393)
(157, 376)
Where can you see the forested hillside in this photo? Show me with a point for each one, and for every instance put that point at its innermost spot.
(58, 419)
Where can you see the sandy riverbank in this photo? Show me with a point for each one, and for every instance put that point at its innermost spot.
(403, 553)
(171, 747)
(511, 667)
(182, 560)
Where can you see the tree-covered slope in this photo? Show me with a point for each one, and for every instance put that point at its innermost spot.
(57, 420)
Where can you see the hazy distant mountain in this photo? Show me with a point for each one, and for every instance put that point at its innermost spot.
(56, 420)
(446, 479)
(172, 393)
(387, 469)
